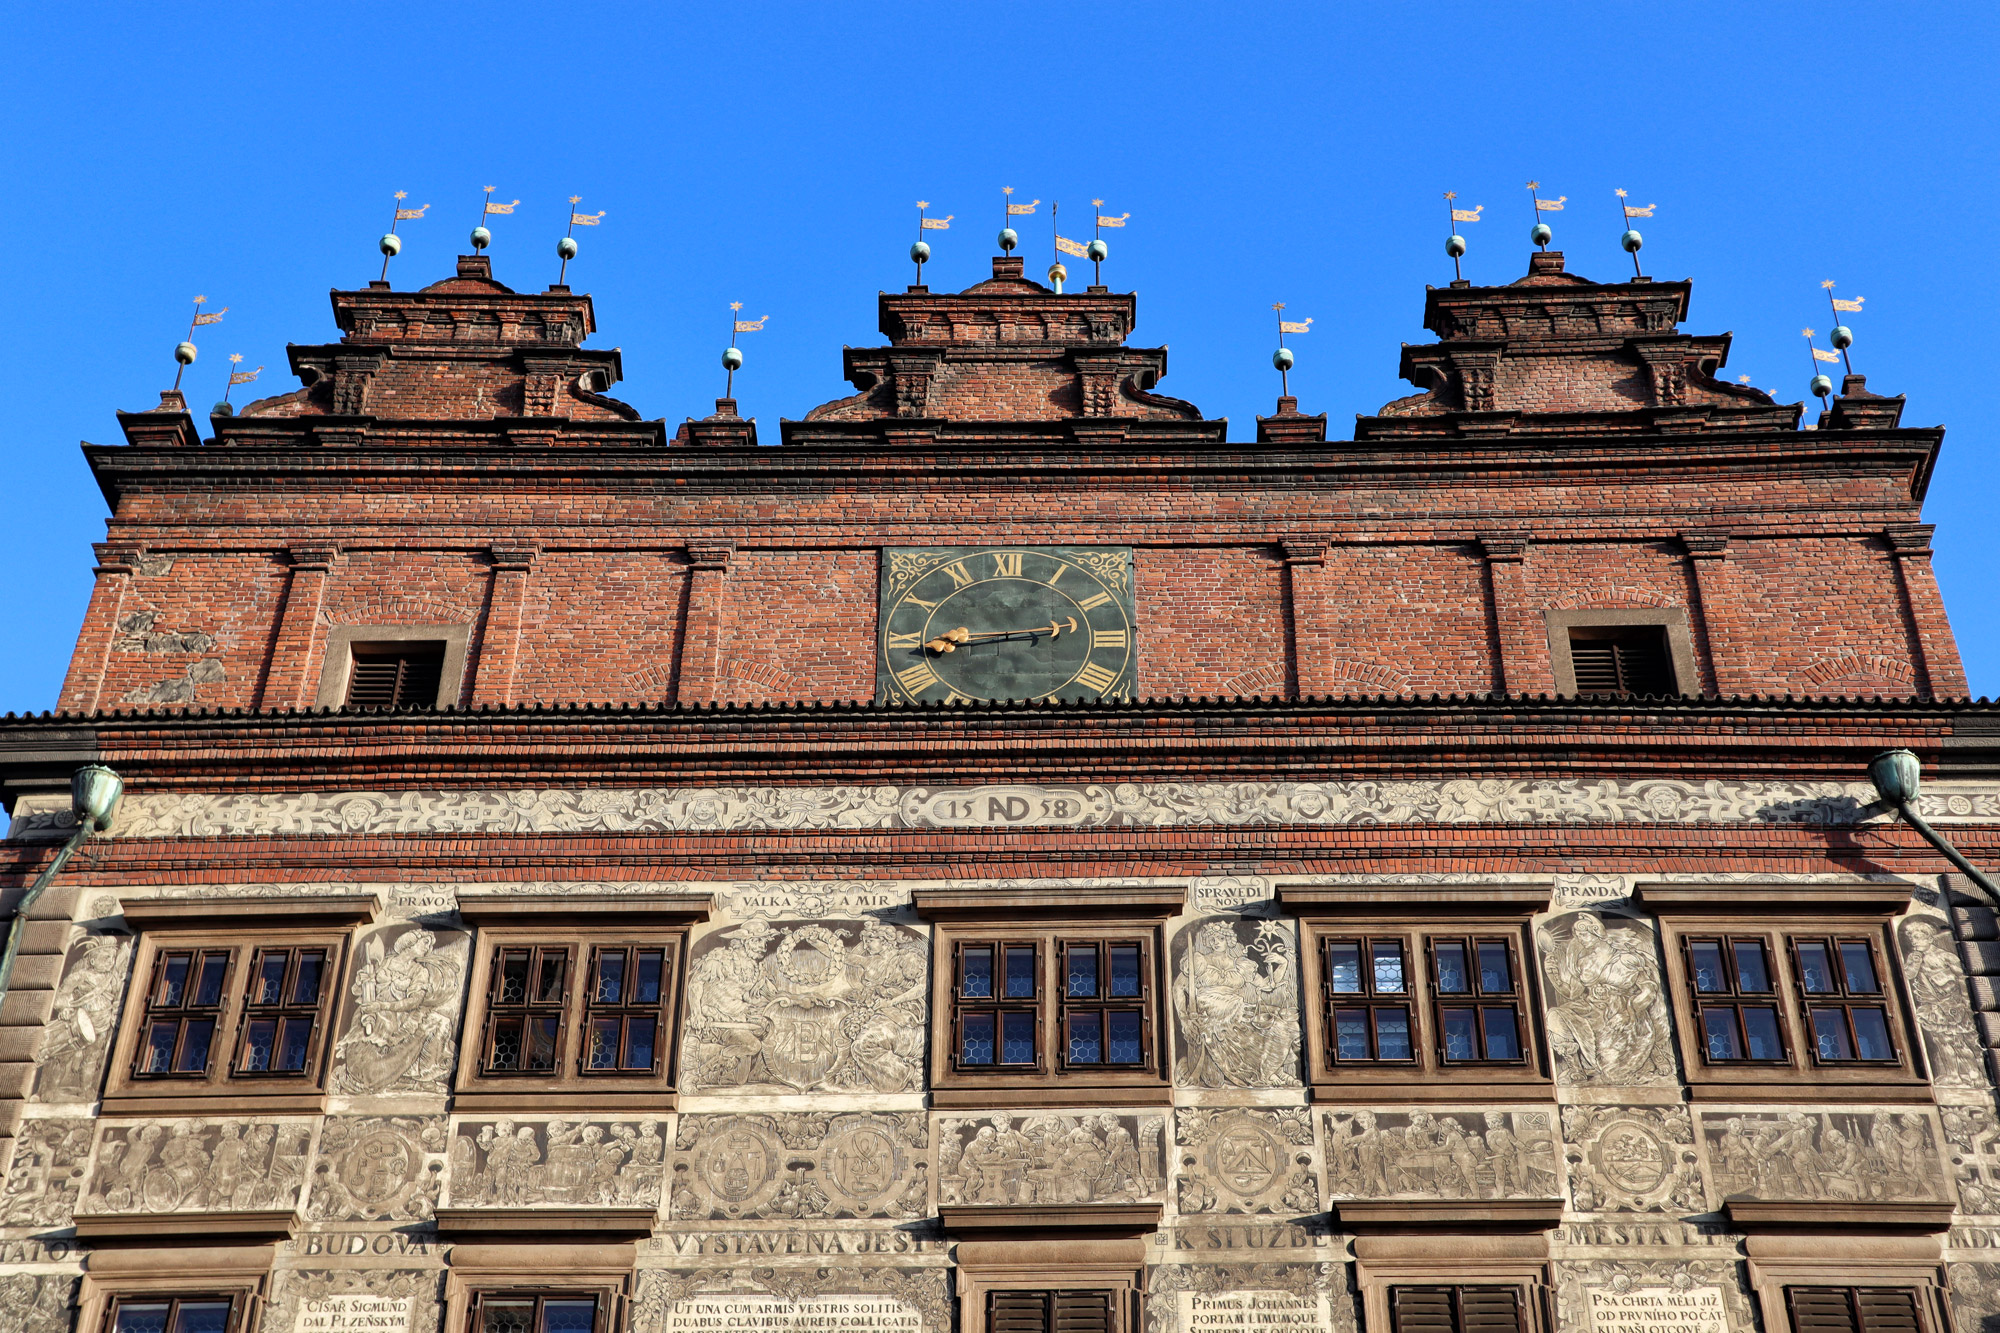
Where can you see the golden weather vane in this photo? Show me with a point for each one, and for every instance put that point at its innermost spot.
(481, 238)
(237, 377)
(391, 244)
(185, 353)
(1842, 337)
(1282, 360)
(732, 360)
(1632, 240)
(1542, 235)
(1454, 244)
(1820, 385)
(1009, 238)
(566, 247)
(920, 249)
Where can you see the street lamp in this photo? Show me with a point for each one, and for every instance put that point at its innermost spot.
(94, 792)
(1897, 776)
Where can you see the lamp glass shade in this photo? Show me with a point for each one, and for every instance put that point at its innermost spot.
(1896, 774)
(94, 791)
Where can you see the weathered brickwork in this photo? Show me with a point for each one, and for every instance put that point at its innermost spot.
(661, 645)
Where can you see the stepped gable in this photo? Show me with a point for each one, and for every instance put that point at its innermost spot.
(1554, 353)
(1006, 357)
(467, 349)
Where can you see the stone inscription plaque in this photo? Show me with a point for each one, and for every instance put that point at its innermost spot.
(356, 1313)
(1252, 1312)
(1657, 1310)
(775, 1314)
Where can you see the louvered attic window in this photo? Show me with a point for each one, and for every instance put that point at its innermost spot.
(403, 675)
(1621, 660)
(1853, 1310)
(1457, 1310)
(1048, 1312)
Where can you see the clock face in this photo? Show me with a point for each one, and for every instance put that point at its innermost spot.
(1006, 622)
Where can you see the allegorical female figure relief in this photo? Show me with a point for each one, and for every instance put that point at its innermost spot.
(1238, 1008)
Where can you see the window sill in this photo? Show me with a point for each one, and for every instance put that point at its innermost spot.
(219, 1101)
(1482, 1086)
(966, 1097)
(531, 1099)
(1788, 1085)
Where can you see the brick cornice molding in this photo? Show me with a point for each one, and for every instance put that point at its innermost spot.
(1909, 539)
(513, 557)
(1706, 545)
(312, 557)
(1504, 547)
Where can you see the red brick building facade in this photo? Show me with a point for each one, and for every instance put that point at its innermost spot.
(1386, 832)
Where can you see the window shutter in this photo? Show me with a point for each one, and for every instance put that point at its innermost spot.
(1631, 661)
(1887, 1310)
(402, 677)
(1421, 1309)
(1083, 1312)
(1489, 1310)
(1017, 1312)
(1821, 1310)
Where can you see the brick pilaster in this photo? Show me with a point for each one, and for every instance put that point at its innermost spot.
(1933, 650)
(84, 685)
(1312, 619)
(1720, 609)
(708, 622)
(1523, 667)
(500, 640)
(295, 648)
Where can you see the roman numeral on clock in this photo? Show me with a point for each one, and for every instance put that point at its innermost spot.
(1007, 564)
(1094, 601)
(1095, 677)
(1107, 638)
(918, 678)
(960, 575)
(910, 640)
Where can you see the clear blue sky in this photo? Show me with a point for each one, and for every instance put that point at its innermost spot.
(771, 154)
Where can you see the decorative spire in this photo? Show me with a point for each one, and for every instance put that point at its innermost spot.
(391, 244)
(1009, 238)
(1542, 235)
(1454, 244)
(566, 247)
(481, 238)
(236, 377)
(185, 353)
(1282, 359)
(1820, 385)
(1842, 337)
(1632, 240)
(1099, 250)
(732, 360)
(920, 250)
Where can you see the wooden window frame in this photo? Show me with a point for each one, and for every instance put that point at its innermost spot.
(1851, 1256)
(1672, 621)
(213, 1270)
(337, 658)
(239, 1303)
(1841, 999)
(1370, 999)
(483, 1272)
(587, 926)
(244, 927)
(1732, 998)
(602, 1315)
(1058, 1259)
(1478, 999)
(1384, 1263)
(1776, 914)
(1054, 922)
(1414, 916)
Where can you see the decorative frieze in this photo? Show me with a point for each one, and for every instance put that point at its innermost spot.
(1877, 1154)
(1124, 805)
(198, 1165)
(503, 1163)
(1426, 1154)
(1053, 1158)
